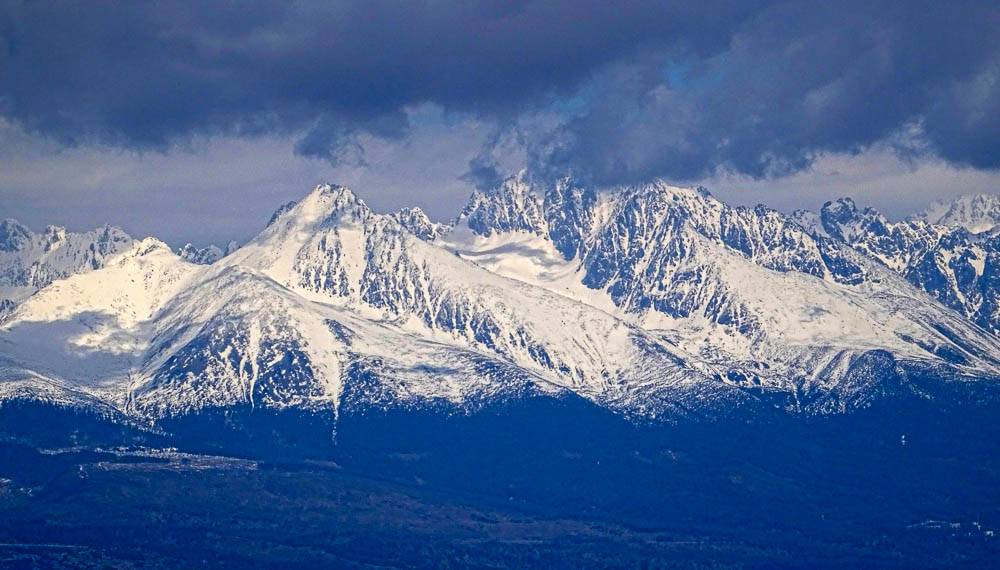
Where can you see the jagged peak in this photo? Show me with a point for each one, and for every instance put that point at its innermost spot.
(13, 235)
(338, 193)
(512, 187)
(54, 237)
(206, 255)
(657, 197)
(522, 203)
(12, 222)
(414, 219)
(150, 245)
(415, 212)
(664, 186)
(845, 210)
(840, 206)
(663, 189)
(514, 205)
(334, 196)
(976, 198)
(326, 202)
(417, 222)
(977, 213)
(841, 218)
(200, 255)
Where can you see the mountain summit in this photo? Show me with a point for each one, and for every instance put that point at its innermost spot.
(977, 213)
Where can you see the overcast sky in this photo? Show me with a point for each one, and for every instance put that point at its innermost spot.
(194, 123)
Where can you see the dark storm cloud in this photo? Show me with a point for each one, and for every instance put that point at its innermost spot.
(676, 90)
(142, 74)
(798, 80)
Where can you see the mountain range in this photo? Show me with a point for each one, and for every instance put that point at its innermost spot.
(653, 301)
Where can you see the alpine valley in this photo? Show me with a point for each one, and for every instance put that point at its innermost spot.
(669, 377)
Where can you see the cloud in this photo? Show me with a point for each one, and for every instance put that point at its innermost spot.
(144, 75)
(799, 81)
(877, 177)
(681, 90)
(222, 188)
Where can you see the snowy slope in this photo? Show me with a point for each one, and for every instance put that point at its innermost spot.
(88, 329)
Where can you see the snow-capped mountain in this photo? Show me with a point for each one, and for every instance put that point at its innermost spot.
(977, 213)
(330, 303)
(650, 300)
(956, 267)
(30, 261)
